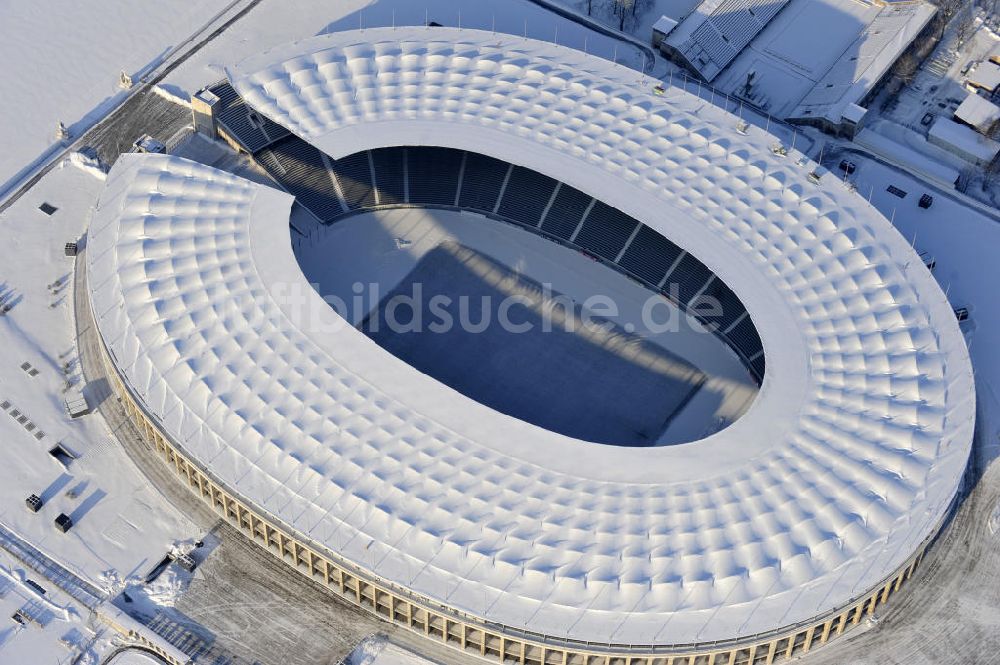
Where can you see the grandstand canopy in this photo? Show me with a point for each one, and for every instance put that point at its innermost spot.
(846, 462)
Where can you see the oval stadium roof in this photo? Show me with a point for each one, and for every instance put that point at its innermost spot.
(846, 462)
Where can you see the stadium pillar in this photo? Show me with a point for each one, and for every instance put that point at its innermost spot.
(826, 631)
(809, 639)
(772, 648)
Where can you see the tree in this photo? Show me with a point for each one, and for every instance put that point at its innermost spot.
(622, 9)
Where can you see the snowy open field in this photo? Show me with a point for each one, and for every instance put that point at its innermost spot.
(62, 60)
(274, 22)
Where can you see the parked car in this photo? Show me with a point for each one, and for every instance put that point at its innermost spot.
(848, 166)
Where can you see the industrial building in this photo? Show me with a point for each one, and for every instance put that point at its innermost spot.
(810, 62)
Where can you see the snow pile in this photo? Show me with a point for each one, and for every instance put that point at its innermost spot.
(171, 97)
(88, 164)
(377, 650)
(368, 650)
(112, 581)
(167, 588)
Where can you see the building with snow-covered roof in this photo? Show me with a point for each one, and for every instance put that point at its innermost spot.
(820, 61)
(465, 524)
(711, 36)
(673, 12)
(978, 113)
(985, 78)
(963, 141)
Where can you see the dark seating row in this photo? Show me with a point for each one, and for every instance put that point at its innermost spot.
(250, 129)
(302, 171)
(423, 175)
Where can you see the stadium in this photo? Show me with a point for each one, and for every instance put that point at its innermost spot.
(603, 498)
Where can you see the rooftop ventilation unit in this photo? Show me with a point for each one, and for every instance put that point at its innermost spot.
(34, 503)
(64, 522)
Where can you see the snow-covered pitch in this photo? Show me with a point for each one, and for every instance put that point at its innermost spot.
(843, 467)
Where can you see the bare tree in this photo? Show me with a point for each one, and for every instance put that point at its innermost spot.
(624, 8)
(629, 11)
(906, 67)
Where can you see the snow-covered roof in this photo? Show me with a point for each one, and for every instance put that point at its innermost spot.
(712, 35)
(963, 140)
(846, 462)
(673, 12)
(664, 25)
(676, 9)
(880, 34)
(854, 113)
(978, 112)
(986, 76)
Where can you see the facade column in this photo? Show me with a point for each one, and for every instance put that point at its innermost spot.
(809, 639)
(826, 631)
(771, 649)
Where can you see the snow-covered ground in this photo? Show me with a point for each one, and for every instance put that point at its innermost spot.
(902, 119)
(122, 526)
(376, 650)
(638, 21)
(62, 60)
(62, 63)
